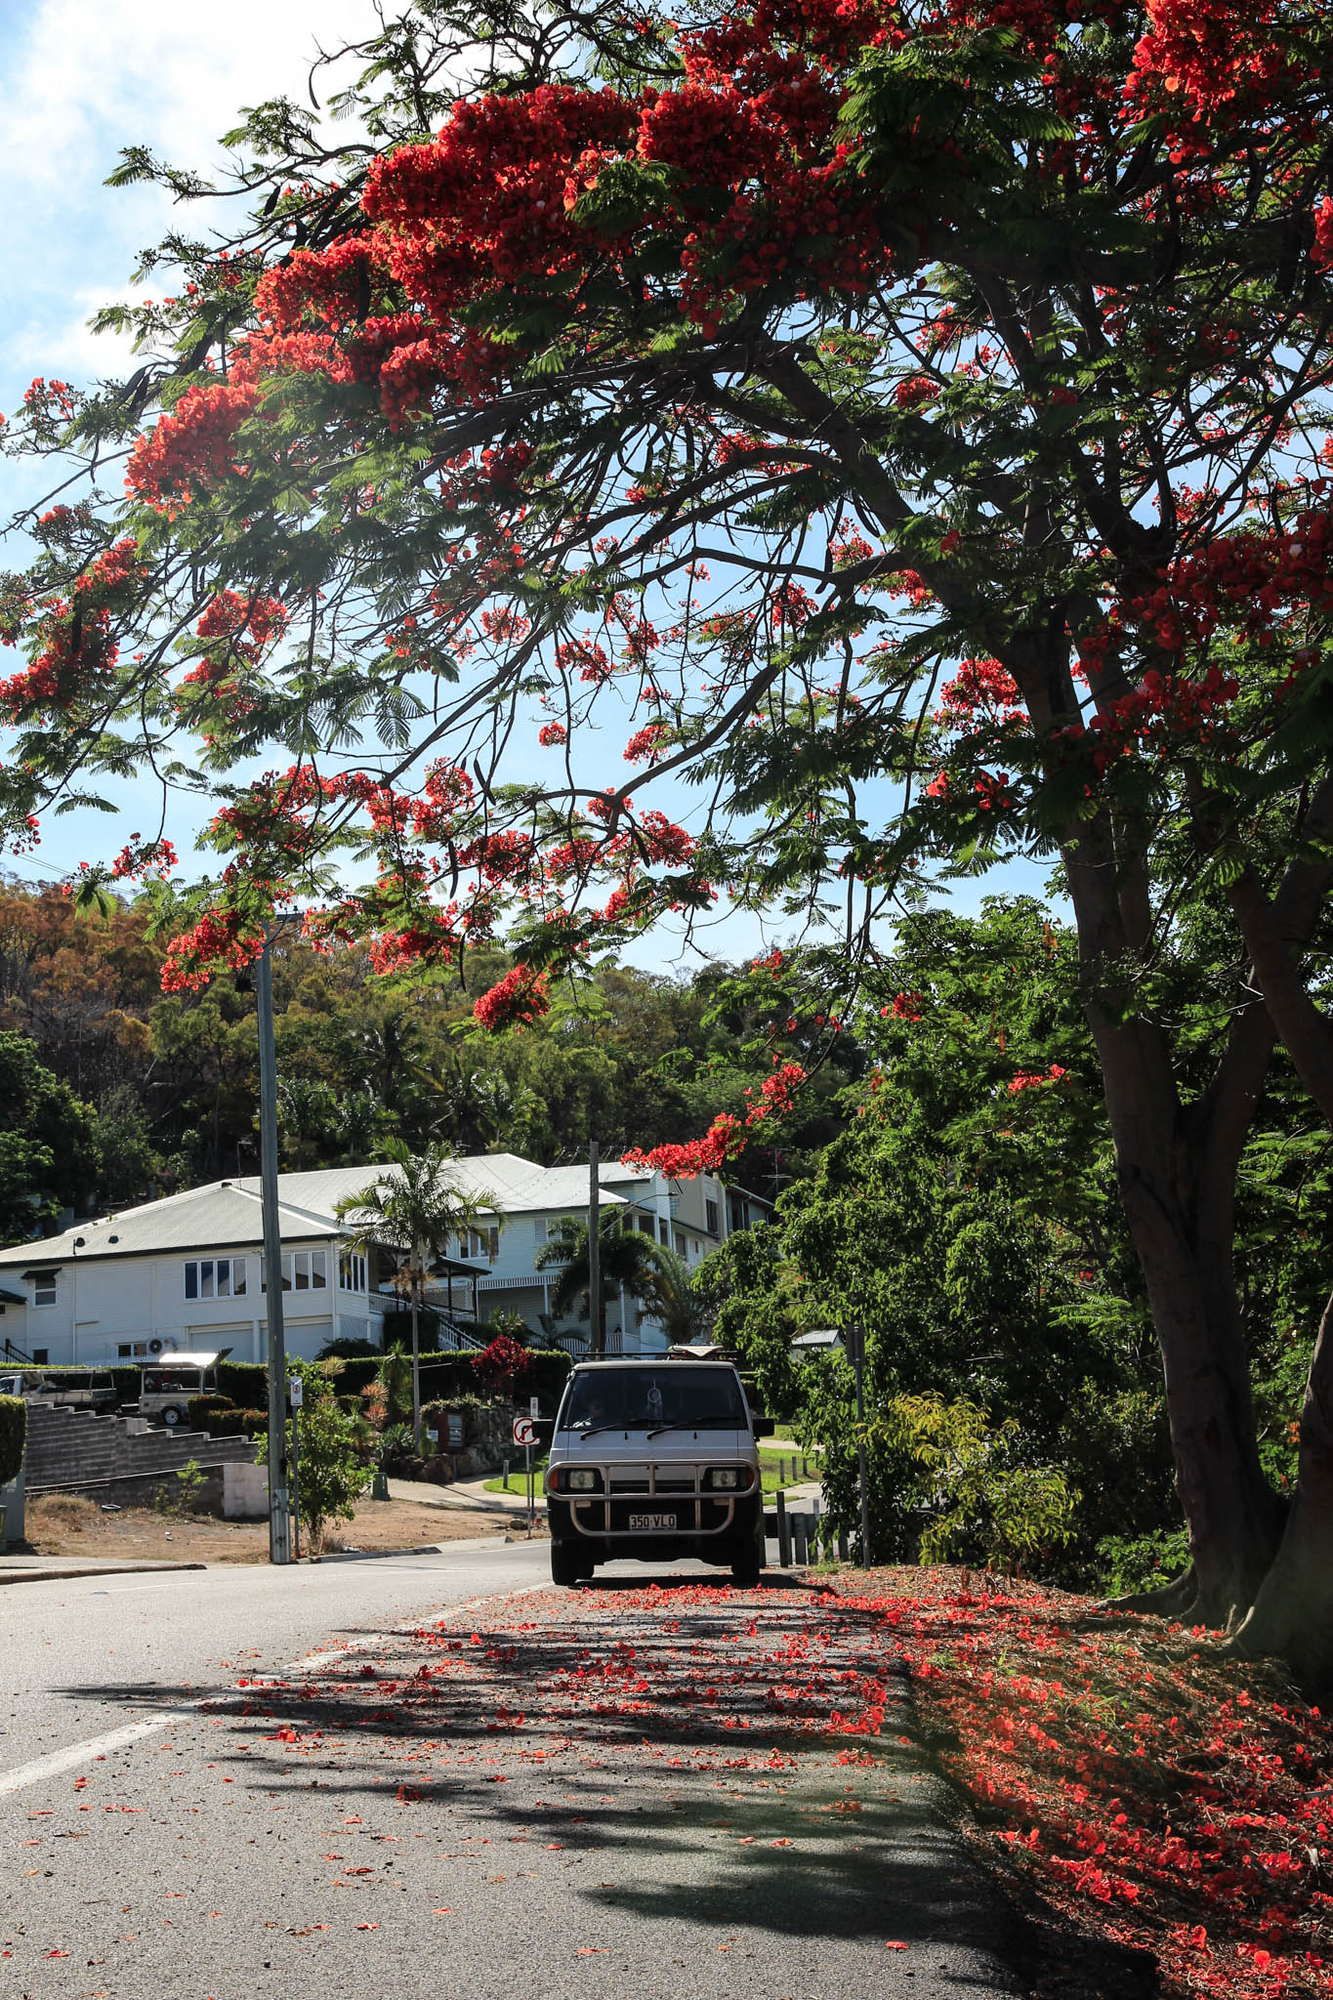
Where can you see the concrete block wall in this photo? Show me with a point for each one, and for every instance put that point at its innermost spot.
(73, 1451)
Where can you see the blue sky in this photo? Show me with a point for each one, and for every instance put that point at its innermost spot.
(84, 78)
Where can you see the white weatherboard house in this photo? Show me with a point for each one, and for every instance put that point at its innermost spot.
(186, 1272)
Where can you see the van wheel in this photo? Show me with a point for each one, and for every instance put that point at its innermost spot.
(173, 1415)
(566, 1565)
(745, 1572)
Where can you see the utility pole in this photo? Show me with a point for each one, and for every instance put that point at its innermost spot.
(858, 1334)
(596, 1315)
(279, 1510)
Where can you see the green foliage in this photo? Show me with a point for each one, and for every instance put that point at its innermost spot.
(173, 1078)
(333, 1472)
(49, 1154)
(1142, 1562)
(394, 1376)
(347, 1347)
(13, 1430)
(981, 1501)
(965, 1227)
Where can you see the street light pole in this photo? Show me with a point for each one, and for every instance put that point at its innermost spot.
(596, 1326)
(279, 1509)
(859, 1360)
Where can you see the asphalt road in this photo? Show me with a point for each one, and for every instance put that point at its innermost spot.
(171, 1831)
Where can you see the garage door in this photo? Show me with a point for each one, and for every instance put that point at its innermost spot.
(305, 1337)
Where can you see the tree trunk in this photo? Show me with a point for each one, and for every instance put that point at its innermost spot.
(1176, 1171)
(1233, 1516)
(1292, 1614)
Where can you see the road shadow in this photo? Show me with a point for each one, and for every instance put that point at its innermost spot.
(742, 1761)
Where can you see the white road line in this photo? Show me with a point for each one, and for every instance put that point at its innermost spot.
(77, 1753)
(61, 1761)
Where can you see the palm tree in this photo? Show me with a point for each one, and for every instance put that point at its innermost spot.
(414, 1205)
(643, 1267)
(682, 1311)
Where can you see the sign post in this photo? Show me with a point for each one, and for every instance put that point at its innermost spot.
(296, 1391)
(525, 1433)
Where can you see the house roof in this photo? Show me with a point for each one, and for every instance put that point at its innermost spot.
(226, 1215)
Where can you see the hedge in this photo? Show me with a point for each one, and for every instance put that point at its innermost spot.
(13, 1430)
(232, 1423)
(451, 1374)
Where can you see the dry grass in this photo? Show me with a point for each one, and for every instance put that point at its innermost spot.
(68, 1524)
(61, 1514)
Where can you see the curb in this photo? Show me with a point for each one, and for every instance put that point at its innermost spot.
(464, 1545)
(109, 1569)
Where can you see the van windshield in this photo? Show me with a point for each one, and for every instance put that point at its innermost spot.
(673, 1397)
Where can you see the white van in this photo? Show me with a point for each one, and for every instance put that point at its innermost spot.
(655, 1460)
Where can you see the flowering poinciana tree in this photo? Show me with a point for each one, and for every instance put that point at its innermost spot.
(907, 422)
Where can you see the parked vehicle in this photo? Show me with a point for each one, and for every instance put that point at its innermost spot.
(166, 1386)
(655, 1460)
(91, 1389)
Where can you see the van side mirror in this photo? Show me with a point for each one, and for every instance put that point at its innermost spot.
(545, 1430)
(763, 1427)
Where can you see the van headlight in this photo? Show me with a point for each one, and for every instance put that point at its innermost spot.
(725, 1476)
(582, 1479)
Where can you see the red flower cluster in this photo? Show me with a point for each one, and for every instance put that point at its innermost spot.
(980, 687)
(502, 1364)
(221, 937)
(905, 1007)
(777, 1093)
(724, 1140)
(552, 732)
(649, 744)
(77, 654)
(516, 1002)
(192, 448)
(916, 392)
(1031, 1081)
(137, 859)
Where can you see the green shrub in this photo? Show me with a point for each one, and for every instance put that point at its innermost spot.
(13, 1430)
(244, 1383)
(199, 1408)
(333, 1472)
(1132, 1563)
(226, 1423)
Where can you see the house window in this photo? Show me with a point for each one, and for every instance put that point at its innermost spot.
(304, 1271)
(681, 1245)
(664, 1229)
(215, 1278)
(352, 1271)
(710, 1217)
(540, 1228)
(484, 1242)
(647, 1225)
(41, 1356)
(44, 1287)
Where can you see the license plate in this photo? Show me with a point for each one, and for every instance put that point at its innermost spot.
(648, 1522)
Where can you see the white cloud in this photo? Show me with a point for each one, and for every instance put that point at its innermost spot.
(85, 78)
(82, 79)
